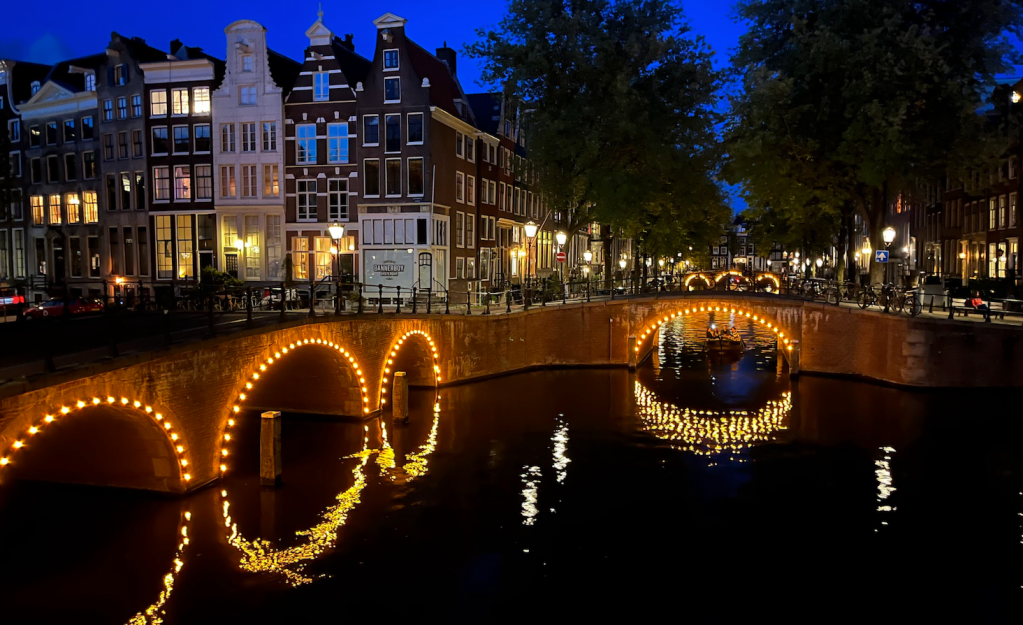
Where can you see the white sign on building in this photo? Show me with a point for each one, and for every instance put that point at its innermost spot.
(390, 268)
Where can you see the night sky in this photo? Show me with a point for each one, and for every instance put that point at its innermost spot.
(82, 30)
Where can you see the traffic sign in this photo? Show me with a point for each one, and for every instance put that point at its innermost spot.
(881, 256)
(562, 257)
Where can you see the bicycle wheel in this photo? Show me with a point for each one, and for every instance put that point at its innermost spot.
(897, 302)
(865, 299)
(912, 306)
(831, 296)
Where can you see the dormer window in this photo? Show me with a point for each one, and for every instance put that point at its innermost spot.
(35, 87)
(247, 63)
(392, 90)
(390, 59)
(321, 86)
(120, 75)
(90, 82)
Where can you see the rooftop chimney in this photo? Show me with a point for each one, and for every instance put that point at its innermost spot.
(349, 42)
(449, 56)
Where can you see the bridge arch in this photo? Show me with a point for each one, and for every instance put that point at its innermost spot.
(140, 414)
(651, 326)
(392, 356)
(274, 356)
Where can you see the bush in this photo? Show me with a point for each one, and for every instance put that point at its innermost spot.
(211, 279)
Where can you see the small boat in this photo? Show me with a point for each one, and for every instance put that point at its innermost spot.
(725, 344)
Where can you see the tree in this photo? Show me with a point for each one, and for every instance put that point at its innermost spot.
(846, 102)
(619, 101)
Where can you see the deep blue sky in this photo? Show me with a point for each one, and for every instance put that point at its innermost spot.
(83, 30)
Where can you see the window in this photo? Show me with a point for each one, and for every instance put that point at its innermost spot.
(248, 136)
(459, 229)
(306, 134)
(247, 95)
(70, 167)
(15, 164)
(321, 86)
(52, 175)
(200, 100)
(371, 177)
(390, 59)
(164, 248)
(181, 141)
(185, 246)
(459, 267)
(136, 143)
(470, 189)
(14, 130)
(35, 87)
(140, 190)
(306, 200)
(69, 131)
(252, 261)
(111, 180)
(300, 257)
(136, 105)
(470, 230)
(20, 268)
(179, 101)
(35, 137)
(484, 264)
(120, 75)
(125, 191)
(248, 180)
(204, 182)
(991, 214)
(90, 207)
(159, 141)
(416, 184)
(271, 181)
(1003, 211)
(246, 62)
(1013, 218)
(90, 82)
(470, 149)
(229, 232)
(371, 130)
(122, 144)
(415, 128)
(38, 213)
(337, 199)
(459, 141)
(129, 252)
(108, 110)
(392, 133)
(182, 182)
(227, 181)
(75, 249)
(55, 215)
(392, 89)
(51, 133)
(274, 255)
(203, 141)
(270, 136)
(493, 192)
(122, 108)
(88, 132)
(460, 187)
(337, 143)
(227, 138)
(158, 104)
(108, 146)
(392, 175)
(35, 167)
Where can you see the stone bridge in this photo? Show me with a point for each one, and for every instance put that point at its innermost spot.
(163, 420)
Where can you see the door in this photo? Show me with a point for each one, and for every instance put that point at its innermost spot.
(425, 270)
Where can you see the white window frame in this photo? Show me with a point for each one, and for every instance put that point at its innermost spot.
(340, 193)
(232, 135)
(388, 79)
(299, 140)
(317, 96)
(408, 174)
(338, 138)
(470, 231)
(311, 209)
(241, 95)
(387, 177)
(377, 142)
(397, 59)
(470, 190)
(205, 100)
(408, 132)
(460, 189)
(386, 117)
(459, 229)
(185, 105)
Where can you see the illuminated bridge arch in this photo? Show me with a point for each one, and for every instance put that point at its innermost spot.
(392, 355)
(651, 326)
(274, 356)
(135, 409)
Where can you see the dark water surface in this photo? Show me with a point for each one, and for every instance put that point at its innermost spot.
(696, 488)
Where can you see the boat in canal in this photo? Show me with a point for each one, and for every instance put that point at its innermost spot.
(725, 344)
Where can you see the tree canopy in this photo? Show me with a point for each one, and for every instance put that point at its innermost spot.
(620, 114)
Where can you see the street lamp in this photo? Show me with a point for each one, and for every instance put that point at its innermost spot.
(622, 262)
(587, 256)
(530, 229)
(561, 238)
(889, 236)
(337, 232)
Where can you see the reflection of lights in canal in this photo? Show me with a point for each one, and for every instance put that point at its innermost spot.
(260, 556)
(531, 474)
(884, 482)
(710, 432)
(154, 614)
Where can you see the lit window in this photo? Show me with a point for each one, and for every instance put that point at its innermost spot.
(201, 100)
(182, 182)
(179, 101)
(158, 103)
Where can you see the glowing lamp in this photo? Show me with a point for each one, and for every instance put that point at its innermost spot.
(889, 235)
(622, 263)
(820, 262)
(530, 229)
(239, 245)
(561, 237)
(587, 256)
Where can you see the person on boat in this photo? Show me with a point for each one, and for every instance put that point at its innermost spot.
(712, 332)
(734, 334)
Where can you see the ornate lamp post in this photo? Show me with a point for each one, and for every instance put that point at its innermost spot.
(337, 232)
(889, 237)
(530, 229)
(562, 238)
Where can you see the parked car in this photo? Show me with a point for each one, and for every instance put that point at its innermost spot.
(55, 308)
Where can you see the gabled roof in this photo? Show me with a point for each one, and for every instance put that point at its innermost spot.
(354, 66)
(486, 108)
(444, 86)
(21, 75)
(283, 70)
(182, 52)
(66, 74)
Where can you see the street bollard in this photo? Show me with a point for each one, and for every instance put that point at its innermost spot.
(380, 299)
(312, 301)
(270, 448)
(507, 298)
(399, 397)
(248, 306)
(397, 308)
(447, 302)
(930, 309)
(632, 353)
(414, 305)
(468, 303)
(951, 307)
(360, 299)
(283, 312)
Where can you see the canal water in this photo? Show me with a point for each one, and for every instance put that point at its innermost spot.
(701, 486)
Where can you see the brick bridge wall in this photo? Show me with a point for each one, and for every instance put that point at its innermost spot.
(194, 388)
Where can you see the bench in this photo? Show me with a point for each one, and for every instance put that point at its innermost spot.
(960, 307)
